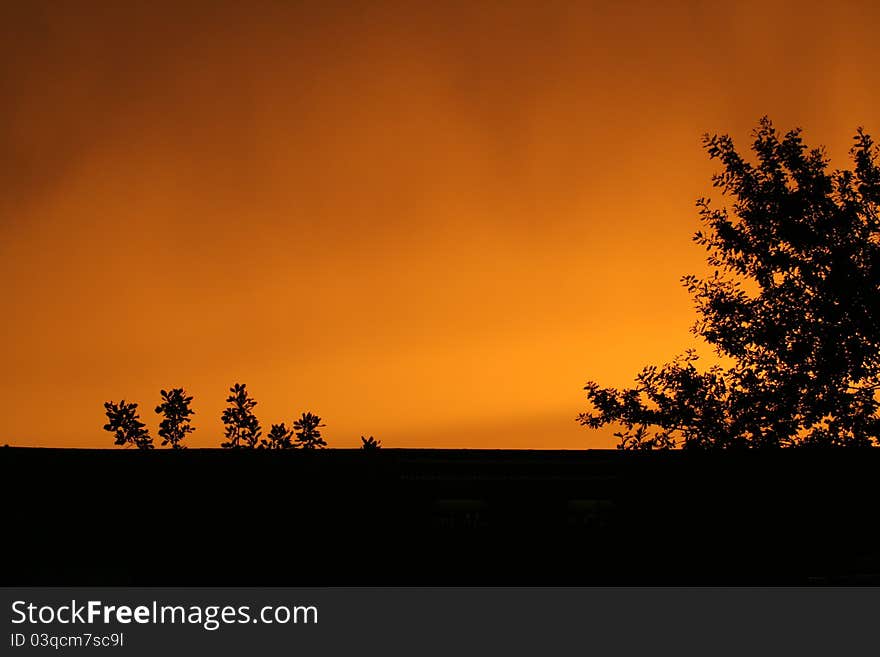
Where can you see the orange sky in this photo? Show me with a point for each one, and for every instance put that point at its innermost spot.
(430, 222)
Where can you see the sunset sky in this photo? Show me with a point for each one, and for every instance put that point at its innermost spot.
(429, 222)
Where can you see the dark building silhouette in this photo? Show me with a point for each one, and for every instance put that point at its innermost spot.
(439, 517)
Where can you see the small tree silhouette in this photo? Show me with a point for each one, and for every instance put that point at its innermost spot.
(123, 421)
(279, 437)
(242, 426)
(793, 302)
(370, 444)
(176, 424)
(307, 434)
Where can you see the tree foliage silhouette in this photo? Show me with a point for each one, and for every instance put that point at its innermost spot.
(242, 428)
(307, 431)
(279, 437)
(124, 423)
(370, 444)
(175, 408)
(793, 302)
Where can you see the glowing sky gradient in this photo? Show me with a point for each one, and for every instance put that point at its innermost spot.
(427, 222)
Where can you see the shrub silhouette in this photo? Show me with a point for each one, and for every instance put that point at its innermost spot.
(793, 302)
(242, 428)
(307, 434)
(123, 421)
(176, 423)
(279, 437)
(370, 444)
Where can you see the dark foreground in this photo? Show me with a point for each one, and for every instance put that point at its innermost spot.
(437, 517)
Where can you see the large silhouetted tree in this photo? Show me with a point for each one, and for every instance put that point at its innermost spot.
(242, 428)
(124, 423)
(308, 435)
(176, 412)
(793, 302)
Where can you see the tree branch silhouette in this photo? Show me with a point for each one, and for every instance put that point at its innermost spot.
(175, 425)
(123, 421)
(241, 427)
(307, 431)
(793, 302)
